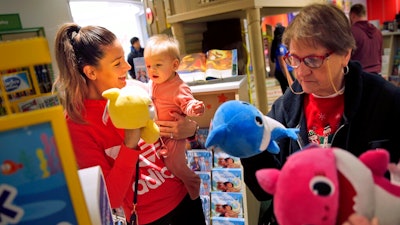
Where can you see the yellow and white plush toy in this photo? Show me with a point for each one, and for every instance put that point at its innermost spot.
(131, 108)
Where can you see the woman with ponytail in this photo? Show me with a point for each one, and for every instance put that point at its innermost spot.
(91, 60)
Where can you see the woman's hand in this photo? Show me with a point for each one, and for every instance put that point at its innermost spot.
(356, 219)
(132, 137)
(181, 128)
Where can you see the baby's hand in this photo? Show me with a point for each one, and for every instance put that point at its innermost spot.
(198, 108)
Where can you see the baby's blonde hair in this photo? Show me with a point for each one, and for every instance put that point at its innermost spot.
(162, 44)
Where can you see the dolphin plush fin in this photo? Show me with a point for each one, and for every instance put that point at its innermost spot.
(279, 132)
(273, 147)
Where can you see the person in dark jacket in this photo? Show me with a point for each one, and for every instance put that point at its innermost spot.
(278, 51)
(368, 40)
(333, 102)
(136, 51)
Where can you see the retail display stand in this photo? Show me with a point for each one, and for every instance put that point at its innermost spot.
(26, 75)
(213, 93)
(39, 181)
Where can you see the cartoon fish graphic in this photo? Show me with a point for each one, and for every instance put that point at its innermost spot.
(9, 167)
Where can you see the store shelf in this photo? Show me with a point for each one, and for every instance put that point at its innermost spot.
(25, 72)
(391, 42)
(182, 14)
(22, 33)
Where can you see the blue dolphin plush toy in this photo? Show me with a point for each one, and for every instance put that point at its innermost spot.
(241, 130)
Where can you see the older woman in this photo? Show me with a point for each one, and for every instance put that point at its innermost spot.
(333, 101)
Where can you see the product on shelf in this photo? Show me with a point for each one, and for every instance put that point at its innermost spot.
(227, 221)
(199, 159)
(227, 204)
(227, 180)
(24, 77)
(215, 64)
(224, 160)
(205, 200)
(205, 185)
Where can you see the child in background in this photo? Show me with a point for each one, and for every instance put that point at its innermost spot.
(171, 94)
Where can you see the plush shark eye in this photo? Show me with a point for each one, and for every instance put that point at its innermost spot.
(322, 186)
(259, 121)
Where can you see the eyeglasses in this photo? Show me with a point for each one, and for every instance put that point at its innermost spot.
(313, 61)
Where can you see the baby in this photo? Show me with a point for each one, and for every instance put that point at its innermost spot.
(171, 94)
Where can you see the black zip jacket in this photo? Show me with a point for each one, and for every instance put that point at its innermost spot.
(371, 120)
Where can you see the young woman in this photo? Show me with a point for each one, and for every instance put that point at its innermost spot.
(91, 60)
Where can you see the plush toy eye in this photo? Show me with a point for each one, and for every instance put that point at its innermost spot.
(259, 121)
(322, 186)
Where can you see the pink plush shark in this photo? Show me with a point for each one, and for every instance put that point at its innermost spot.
(320, 186)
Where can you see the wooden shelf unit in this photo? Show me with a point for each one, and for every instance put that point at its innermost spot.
(391, 41)
(182, 14)
(22, 33)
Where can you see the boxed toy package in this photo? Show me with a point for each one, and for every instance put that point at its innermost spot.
(200, 139)
(205, 200)
(224, 160)
(227, 221)
(226, 180)
(205, 185)
(227, 204)
(199, 160)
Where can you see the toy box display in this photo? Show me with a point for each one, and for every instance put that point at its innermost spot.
(227, 204)
(199, 160)
(227, 221)
(227, 180)
(23, 77)
(224, 160)
(200, 139)
(205, 201)
(205, 185)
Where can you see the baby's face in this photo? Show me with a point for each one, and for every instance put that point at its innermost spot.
(161, 67)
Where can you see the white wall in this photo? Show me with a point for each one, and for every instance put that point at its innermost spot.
(49, 14)
(40, 13)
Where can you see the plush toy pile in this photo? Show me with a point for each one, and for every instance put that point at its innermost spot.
(131, 108)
